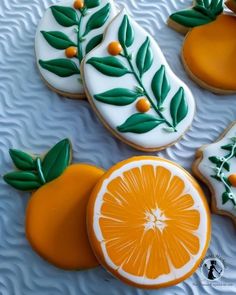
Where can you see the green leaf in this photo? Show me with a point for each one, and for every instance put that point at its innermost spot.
(118, 96)
(227, 166)
(57, 39)
(126, 33)
(215, 160)
(65, 16)
(140, 123)
(95, 41)
(92, 3)
(23, 180)
(98, 19)
(178, 107)
(110, 66)
(160, 86)
(61, 67)
(22, 160)
(56, 160)
(144, 57)
(190, 18)
(227, 147)
(225, 198)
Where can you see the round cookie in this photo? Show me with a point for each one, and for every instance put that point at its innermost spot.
(149, 222)
(209, 46)
(215, 165)
(128, 65)
(67, 31)
(56, 212)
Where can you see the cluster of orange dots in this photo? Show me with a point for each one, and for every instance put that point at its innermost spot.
(79, 4)
(232, 179)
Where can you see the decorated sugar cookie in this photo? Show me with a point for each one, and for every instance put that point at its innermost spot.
(133, 90)
(208, 52)
(56, 213)
(216, 166)
(149, 222)
(231, 4)
(68, 31)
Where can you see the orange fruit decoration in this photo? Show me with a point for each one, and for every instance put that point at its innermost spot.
(71, 52)
(232, 179)
(114, 48)
(208, 52)
(56, 213)
(79, 4)
(148, 222)
(143, 105)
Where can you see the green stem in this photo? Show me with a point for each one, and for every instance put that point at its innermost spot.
(39, 170)
(127, 56)
(79, 46)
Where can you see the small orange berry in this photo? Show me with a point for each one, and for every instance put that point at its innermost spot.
(114, 48)
(71, 52)
(79, 4)
(143, 105)
(232, 179)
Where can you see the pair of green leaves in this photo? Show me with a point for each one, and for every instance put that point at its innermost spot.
(205, 11)
(32, 169)
(218, 162)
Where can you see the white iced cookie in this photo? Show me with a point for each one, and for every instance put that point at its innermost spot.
(133, 90)
(65, 34)
(216, 166)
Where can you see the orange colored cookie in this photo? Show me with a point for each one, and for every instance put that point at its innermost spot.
(208, 52)
(56, 213)
(148, 222)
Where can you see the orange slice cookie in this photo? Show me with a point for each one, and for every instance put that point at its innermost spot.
(56, 213)
(208, 52)
(149, 222)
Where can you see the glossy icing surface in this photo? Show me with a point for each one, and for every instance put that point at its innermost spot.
(101, 70)
(209, 51)
(68, 79)
(56, 218)
(149, 222)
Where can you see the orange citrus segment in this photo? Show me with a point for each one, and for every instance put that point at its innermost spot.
(148, 222)
(56, 218)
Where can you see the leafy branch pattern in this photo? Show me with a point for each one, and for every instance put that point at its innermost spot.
(68, 17)
(115, 67)
(222, 165)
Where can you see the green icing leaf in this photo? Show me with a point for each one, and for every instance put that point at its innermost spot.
(58, 40)
(22, 160)
(92, 3)
(228, 147)
(118, 96)
(160, 86)
(144, 57)
(61, 67)
(214, 160)
(65, 16)
(126, 33)
(178, 107)
(56, 160)
(110, 66)
(23, 180)
(140, 123)
(93, 43)
(98, 19)
(225, 198)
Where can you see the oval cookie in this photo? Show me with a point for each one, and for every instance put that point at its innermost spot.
(133, 90)
(149, 222)
(67, 31)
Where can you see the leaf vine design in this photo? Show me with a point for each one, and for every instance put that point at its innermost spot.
(115, 67)
(68, 17)
(222, 165)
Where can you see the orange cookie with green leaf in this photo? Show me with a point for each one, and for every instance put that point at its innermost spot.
(56, 213)
(208, 52)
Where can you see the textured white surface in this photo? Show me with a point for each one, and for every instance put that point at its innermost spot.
(33, 118)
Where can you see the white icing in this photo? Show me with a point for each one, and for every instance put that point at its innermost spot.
(206, 169)
(201, 232)
(44, 51)
(115, 116)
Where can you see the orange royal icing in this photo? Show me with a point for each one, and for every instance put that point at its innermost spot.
(209, 52)
(56, 218)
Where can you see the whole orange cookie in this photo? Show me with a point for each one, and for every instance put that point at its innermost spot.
(208, 52)
(148, 222)
(56, 213)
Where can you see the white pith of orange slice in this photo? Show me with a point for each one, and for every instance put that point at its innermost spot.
(149, 222)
